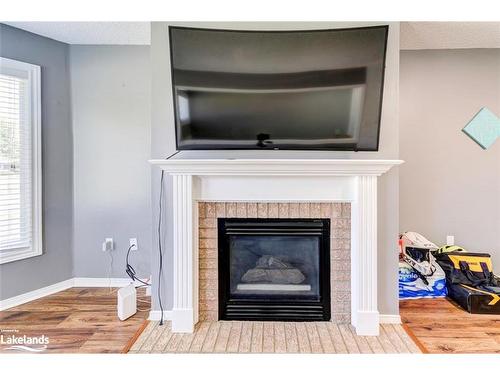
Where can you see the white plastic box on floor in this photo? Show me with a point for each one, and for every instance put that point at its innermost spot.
(127, 302)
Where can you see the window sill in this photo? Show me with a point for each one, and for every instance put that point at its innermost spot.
(15, 255)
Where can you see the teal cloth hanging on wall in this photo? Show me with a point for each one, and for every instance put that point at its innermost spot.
(484, 128)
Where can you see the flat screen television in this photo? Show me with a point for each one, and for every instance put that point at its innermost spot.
(307, 89)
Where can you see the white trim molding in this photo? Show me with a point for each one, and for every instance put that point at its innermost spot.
(267, 180)
(35, 294)
(76, 282)
(364, 310)
(155, 315)
(389, 319)
(32, 74)
(184, 310)
(100, 282)
(263, 167)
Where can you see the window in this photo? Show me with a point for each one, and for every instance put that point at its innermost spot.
(20, 161)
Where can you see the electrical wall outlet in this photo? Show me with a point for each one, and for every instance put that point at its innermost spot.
(133, 244)
(108, 244)
(450, 240)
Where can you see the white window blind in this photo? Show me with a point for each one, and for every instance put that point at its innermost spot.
(20, 173)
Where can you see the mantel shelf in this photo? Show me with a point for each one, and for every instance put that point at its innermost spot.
(286, 167)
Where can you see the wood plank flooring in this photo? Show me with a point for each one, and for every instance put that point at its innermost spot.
(443, 327)
(272, 337)
(77, 320)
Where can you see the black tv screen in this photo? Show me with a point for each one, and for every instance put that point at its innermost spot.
(307, 89)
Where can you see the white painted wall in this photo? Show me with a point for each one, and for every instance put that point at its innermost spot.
(163, 145)
(110, 89)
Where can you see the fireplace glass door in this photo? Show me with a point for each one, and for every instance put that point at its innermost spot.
(274, 266)
(274, 269)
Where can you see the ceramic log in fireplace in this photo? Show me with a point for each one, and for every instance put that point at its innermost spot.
(274, 269)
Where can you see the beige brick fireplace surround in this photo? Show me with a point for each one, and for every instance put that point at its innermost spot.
(345, 191)
(340, 247)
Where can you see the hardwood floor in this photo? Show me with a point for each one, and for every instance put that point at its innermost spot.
(77, 320)
(443, 327)
(272, 337)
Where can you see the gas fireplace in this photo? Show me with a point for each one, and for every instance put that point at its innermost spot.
(344, 192)
(274, 269)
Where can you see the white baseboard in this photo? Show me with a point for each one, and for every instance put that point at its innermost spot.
(156, 314)
(100, 282)
(35, 294)
(389, 319)
(79, 282)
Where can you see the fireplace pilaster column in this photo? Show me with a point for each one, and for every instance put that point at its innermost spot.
(364, 310)
(185, 304)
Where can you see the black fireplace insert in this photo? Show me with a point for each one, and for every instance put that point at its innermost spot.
(274, 269)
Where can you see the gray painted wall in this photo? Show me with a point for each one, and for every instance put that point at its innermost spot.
(449, 185)
(56, 262)
(110, 91)
(163, 145)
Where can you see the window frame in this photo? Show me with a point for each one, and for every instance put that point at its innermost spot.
(35, 114)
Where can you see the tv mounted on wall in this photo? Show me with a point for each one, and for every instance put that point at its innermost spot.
(303, 89)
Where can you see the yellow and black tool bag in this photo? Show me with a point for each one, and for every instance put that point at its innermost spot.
(466, 268)
(471, 282)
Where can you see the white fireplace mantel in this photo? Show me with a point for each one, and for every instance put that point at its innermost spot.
(296, 167)
(269, 180)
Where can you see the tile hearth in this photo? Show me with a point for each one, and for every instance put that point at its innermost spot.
(272, 337)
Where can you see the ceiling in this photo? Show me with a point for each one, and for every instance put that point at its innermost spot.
(414, 35)
(449, 35)
(90, 32)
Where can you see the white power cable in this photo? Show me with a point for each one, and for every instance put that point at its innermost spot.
(110, 269)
